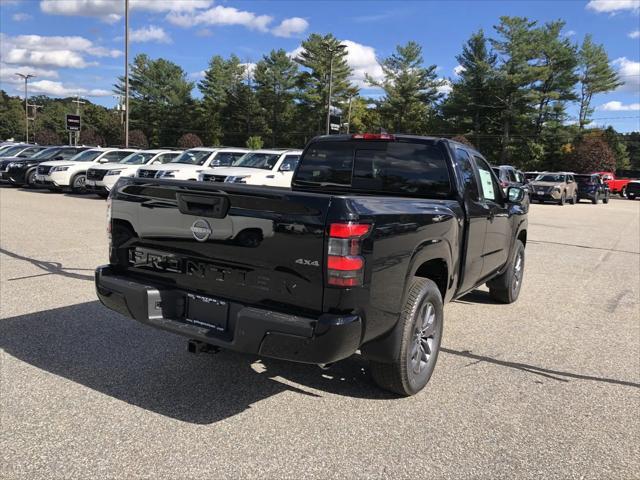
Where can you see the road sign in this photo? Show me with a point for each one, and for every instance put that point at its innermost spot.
(73, 123)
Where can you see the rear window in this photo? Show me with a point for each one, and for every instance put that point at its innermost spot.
(399, 167)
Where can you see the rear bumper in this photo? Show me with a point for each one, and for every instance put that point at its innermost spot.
(325, 339)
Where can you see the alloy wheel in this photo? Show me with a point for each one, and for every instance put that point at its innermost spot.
(423, 339)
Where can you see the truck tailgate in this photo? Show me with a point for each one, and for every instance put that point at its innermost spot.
(255, 245)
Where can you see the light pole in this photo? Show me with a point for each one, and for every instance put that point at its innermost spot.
(332, 52)
(26, 105)
(126, 73)
(78, 102)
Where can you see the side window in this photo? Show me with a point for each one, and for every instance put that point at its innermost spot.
(489, 187)
(468, 175)
(166, 157)
(67, 153)
(511, 176)
(289, 163)
(113, 156)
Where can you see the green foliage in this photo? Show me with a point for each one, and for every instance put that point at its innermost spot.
(11, 117)
(596, 76)
(322, 57)
(254, 143)
(275, 78)
(410, 88)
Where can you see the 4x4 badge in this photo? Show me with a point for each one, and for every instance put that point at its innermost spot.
(310, 263)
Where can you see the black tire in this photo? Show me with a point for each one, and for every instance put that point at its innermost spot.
(563, 199)
(506, 287)
(102, 194)
(30, 178)
(605, 199)
(78, 183)
(596, 199)
(420, 324)
(631, 196)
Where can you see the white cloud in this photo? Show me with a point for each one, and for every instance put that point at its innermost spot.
(21, 17)
(198, 75)
(629, 72)
(615, 106)
(458, 69)
(57, 89)
(570, 33)
(150, 34)
(112, 10)
(445, 88)
(220, 15)
(8, 73)
(293, 54)
(634, 34)
(249, 68)
(290, 27)
(362, 59)
(613, 6)
(54, 51)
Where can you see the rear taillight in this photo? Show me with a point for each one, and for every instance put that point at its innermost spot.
(345, 265)
(373, 136)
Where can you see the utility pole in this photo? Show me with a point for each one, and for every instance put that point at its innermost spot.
(35, 114)
(26, 78)
(332, 52)
(126, 73)
(349, 115)
(78, 102)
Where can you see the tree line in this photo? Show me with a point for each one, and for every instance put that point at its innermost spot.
(509, 99)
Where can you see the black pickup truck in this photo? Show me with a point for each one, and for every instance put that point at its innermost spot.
(376, 233)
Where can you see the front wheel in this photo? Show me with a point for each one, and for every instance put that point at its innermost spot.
(421, 324)
(563, 199)
(596, 199)
(506, 287)
(574, 199)
(30, 179)
(623, 192)
(78, 183)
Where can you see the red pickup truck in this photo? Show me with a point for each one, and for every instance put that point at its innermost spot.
(616, 185)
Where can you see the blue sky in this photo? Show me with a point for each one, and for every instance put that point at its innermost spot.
(75, 46)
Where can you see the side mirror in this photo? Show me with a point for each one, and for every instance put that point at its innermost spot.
(515, 194)
(285, 167)
(59, 157)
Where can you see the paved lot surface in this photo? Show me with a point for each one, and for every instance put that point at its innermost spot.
(546, 388)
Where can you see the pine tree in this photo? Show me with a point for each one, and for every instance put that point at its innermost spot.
(322, 57)
(596, 76)
(275, 79)
(411, 90)
(471, 106)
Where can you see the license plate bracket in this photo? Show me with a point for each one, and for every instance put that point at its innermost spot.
(207, 312)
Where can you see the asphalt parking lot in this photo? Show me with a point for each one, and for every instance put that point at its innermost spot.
(548, 387)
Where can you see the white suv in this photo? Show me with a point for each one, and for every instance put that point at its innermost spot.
(191, 162)
(102, 178)
(72, 173)
(258, 167)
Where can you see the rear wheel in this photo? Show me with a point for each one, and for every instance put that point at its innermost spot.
(78, 183)
(506, 287)
(596, 199)
(421, 323)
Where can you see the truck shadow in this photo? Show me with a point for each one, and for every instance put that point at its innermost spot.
(94, 347)
(48, 268)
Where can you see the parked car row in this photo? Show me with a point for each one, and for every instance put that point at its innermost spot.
(96, 169)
